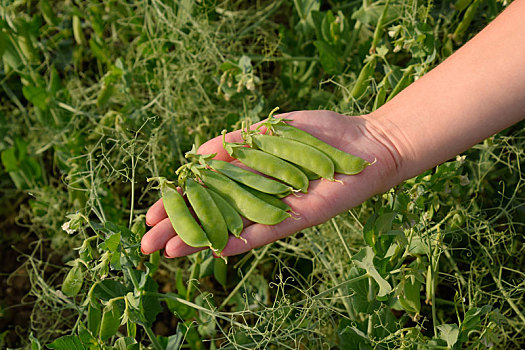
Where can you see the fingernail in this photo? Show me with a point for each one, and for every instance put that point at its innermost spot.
(148, 224)
(142, 250)
(166, 255)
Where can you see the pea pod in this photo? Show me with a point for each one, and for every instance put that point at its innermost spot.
(244, 202)
(181, 219)
(209, 215)
(249, 178)
(296, 152)
(73, 281)
(378, 32)
(462, 27)
(383, 86)
(344, 163)
(268, 198)
(361, 82)
(110, 321)
(231, 216)
(269, 165)
(405, 80)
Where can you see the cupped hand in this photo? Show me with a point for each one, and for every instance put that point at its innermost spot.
(325, 199)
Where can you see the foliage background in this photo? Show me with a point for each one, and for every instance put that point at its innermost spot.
(98, 96)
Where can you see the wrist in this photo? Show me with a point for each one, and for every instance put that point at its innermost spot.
(393, 150)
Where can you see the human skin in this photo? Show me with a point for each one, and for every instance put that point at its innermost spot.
(475, 93)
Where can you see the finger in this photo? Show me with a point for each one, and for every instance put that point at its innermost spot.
(215, 145)
(310, 209)
(156, 213)
(156, 238)
(175, 248)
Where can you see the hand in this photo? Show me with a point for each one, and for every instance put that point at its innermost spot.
(324, 200)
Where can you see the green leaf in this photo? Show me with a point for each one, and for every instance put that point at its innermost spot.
(384, 222)
(472, 320)
(304, 7)
(127, 343)
(410, 297)
(35, 343)
(181, 310)
(37, 96)
(109, 289)
(358, 292)
(365, 260)
(67, 342)
(449, 333)
(330, 57)
(351, 337)
(4, 43)
(9, 160)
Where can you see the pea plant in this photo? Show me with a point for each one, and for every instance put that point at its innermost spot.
(99, 97)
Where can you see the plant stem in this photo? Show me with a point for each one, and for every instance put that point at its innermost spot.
(241, 283)
(194, 272)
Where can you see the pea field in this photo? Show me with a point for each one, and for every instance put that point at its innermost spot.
(97, 97)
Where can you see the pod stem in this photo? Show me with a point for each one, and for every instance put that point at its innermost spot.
(161, 180)
(229, 146)
(271, 121)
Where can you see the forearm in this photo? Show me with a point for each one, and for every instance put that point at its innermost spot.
(475, 93)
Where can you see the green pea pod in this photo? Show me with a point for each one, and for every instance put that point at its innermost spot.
(268, 198)
(110, 321)
(296, 152)
(405, 80)
(181, 219)
(78, 33)
(231, 216)
(94, 317)
(249, 178)
(378, 32)
(361, 82)
(460, 5)
(73, 281)
(270, 165)
(384, 85)
(209, 215)
(465, 22)
(344, 163)
(244, 202)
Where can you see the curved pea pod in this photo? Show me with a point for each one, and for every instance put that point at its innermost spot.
(181, 219)
(73, 281)
(361, 83)
(231, 216)
(405, 80)
(208, 213)
(272, 166)
(268, 198)
(462, 27)
(244, 202)
(110, 321)
(249, 178)
(296, 152)
(344, 163)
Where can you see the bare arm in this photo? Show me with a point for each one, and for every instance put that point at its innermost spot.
(475, 93)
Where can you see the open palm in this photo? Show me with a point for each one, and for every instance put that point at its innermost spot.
(324, 200)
